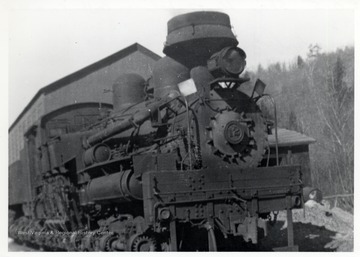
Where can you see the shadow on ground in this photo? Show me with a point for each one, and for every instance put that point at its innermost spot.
(307, 236)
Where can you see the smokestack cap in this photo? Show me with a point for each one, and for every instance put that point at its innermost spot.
(193, 37)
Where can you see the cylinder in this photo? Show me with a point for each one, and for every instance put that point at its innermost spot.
(128, 89)
(118, 187)
(96, 154)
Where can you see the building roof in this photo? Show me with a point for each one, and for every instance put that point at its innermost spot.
(289, 138)
(84, 72)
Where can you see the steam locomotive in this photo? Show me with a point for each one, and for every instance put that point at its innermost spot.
(183, 161)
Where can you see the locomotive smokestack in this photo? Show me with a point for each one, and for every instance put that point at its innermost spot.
(193, 37)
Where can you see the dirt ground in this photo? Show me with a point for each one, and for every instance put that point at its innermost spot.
(318, 229)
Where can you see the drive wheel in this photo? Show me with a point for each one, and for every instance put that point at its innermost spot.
(143, 244)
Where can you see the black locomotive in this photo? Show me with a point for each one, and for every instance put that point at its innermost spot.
(181, 162)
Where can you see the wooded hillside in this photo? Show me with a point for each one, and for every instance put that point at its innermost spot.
(315, 96)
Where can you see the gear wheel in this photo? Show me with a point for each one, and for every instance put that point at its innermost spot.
(106, 241)
(144, 244)
(239, 138)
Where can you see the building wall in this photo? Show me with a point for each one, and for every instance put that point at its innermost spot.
(91, 87)
(16, 135)
(87, 89)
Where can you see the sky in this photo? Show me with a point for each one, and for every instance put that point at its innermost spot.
(48, 44)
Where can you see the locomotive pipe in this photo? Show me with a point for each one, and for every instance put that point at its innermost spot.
(134, 121)
(188, 131)
(276, 131)
(276, 128)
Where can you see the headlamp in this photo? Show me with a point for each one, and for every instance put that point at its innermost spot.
(230, 61)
